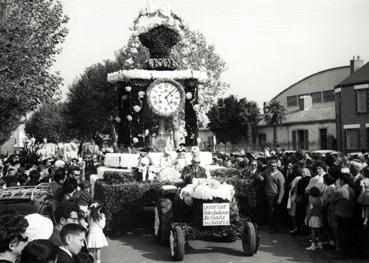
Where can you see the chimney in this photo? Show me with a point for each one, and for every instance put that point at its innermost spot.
(355, 64)
(305, 103)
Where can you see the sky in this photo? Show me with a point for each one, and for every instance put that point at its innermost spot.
(267, 44)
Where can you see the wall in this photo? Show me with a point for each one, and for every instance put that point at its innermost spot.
(284, 134)
(15, 141)
(349, 116)
(321, 81)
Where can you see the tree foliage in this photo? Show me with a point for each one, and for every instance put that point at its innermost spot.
(92, 101)
(274, 114)
(233, 120)
(30, 34)
(49, 121)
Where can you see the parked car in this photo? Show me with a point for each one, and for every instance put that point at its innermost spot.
(25, 200)
(324, 153)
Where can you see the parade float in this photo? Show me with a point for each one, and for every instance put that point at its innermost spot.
(170, 97)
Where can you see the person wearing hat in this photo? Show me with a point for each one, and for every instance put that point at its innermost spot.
(194, 170)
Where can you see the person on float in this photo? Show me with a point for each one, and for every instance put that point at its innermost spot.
(181, 162)
(194, 170)
(167, 168)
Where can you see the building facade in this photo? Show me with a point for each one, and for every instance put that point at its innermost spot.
(310, 122)
(15, 142)
(352, 104)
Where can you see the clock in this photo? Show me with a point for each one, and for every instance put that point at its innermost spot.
(165, 97)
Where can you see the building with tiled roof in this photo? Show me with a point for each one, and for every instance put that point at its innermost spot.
(352, 109)
(310, 122)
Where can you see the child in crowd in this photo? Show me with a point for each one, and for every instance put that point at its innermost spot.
(73, 237)
(314, 218)
(96, 239)
(364, 196)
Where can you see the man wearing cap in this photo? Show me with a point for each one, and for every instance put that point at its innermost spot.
(194, 170)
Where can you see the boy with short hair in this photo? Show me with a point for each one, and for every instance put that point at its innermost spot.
(73, 238)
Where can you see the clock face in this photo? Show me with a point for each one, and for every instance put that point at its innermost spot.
(165, 97)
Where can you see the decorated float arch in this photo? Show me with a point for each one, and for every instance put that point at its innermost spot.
(159, 93)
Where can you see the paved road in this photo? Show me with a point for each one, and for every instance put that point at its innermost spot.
(140, 246)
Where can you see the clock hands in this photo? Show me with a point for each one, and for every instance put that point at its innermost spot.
(170, 93)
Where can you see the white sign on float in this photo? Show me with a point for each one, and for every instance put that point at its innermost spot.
(215, 214)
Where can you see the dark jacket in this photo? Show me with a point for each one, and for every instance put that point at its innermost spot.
(344, 201)
(189, 173)
(64, 257)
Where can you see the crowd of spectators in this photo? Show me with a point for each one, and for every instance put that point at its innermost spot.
(25, 239)
(325, 198)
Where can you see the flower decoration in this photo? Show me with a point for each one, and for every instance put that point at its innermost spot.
(128, 88)
(129, 117)
(185, 51)
(189, 95)
(147, 132)
(141, 94)
(196, 107)
(136, 108)
(135, 140)
(129, 62)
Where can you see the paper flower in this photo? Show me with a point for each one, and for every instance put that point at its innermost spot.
(141, 94)
(136, 108)
(129, 62)
(129, 117)
(135, 140)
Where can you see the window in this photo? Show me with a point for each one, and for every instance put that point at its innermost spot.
(352, 139)
(328, 95)
(291, 101)
(323, 134)
(362, 100)
(262, 139)
(300, 139)
(317, 97)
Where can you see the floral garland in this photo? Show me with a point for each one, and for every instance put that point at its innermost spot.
(149, 20)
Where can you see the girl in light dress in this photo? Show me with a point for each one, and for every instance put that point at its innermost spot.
(364, 196)
(314, 218)
(96, 239)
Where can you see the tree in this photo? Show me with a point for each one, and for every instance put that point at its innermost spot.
(30, 34)
(92, 102)
(234, 120)
(224, 120)
(50, 122)
(249, 116)
(274, 115)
